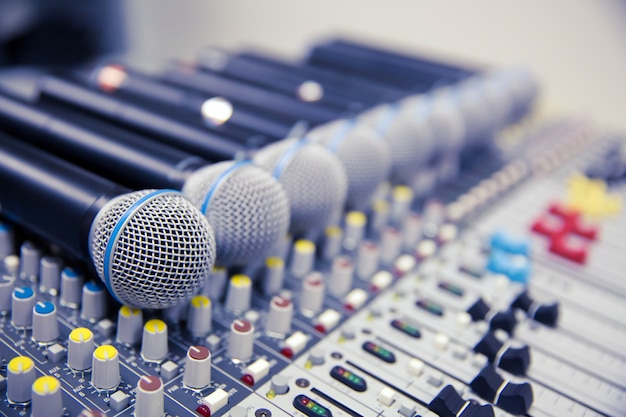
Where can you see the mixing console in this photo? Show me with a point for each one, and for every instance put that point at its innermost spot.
(475, 273)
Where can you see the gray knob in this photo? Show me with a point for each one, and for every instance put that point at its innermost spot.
(105, 368)
(129, 325)
(241, 340)
(6, 240)
(47, 398)
(22, 307)
(94, 301)
(199, 320)
(197, 367)
(302, 258)
(279, 316)
(341, 276)
(45, 324)
(150, 401)
(239, 294)
(279, 384)
(79, 349)
(20, 378)
(50, 274)
(71, 287)
(154, 341)
(29, 266)
(312, 296)
(7, 285)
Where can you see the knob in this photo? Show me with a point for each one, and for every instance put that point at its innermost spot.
(129, 325)
(312, 295)
(79, 349)
(354, 229)
(341, 275)
(149, 400)
(30, 257)
(47, 398)
(401, 199)
(20, 379)
(154, 341)
(22, 307)
(547, 314)
(367, 259)
(50, 274)
(197, 367)
(239, 294)
(514, 398)
(241, 340)
(105, 368)
(7, 285)
(199, 320)
(45, 324)
(71, 287)
(448, 403)
(279, 316)
(514, 360)
(504, 320)
(279, 384)
(274, 275)
(93, 301)
(6, 240)
(333, 236)
(302, 258)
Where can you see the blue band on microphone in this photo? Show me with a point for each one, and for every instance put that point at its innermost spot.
(218, 181)
(287, 156)
(112, 243)
(340, 135)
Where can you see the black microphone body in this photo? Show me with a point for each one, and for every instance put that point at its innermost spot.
(339, 91)
(396, 72)
(49, 196)
(153, 124)
(266, 102)
(119, 155)
(149, 92)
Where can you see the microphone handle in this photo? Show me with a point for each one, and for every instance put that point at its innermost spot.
(149, 92)
(366, 91)
(159, 127)
(364, 65)
(119, 155)
(49, 196)
(246, 95)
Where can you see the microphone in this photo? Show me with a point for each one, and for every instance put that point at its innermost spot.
(364, 154)
(213, 112)
(151, 248)
(313, 178)
(246, 95)
(160, 127)
(248, 209)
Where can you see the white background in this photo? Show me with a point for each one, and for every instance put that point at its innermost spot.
(577, 48)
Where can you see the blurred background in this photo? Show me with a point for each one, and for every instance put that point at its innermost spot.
(577, 48)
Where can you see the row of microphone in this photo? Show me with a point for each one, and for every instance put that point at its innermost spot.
(232, 153)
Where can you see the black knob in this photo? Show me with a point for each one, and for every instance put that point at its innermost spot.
(478, 310)
(504, 320)
(516, 398)
(514, 360)
(448, 403)
(513, 398)
(487, 383)
(547, 314)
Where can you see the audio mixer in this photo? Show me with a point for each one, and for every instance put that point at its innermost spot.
(423, 243)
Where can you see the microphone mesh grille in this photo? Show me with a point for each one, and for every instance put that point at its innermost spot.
(163, 254)
(365, 156)
(314, 180)
(249, 210)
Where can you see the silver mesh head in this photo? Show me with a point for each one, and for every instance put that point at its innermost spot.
(313, 178)
(365, 156)
(246, 206)
(408, 134)
(152, 249)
